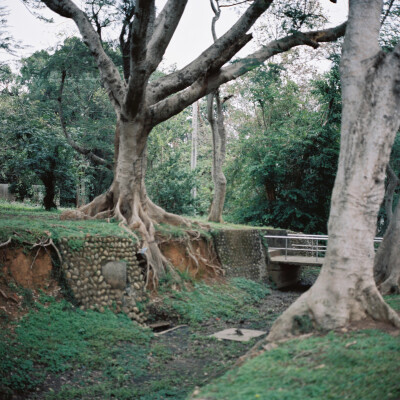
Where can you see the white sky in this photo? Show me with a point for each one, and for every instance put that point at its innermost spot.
(192, 36)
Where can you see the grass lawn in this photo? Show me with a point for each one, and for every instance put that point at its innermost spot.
(27, 223)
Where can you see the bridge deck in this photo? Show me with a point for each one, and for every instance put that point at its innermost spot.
(297, 260)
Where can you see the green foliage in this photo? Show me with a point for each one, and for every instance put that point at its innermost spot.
(169, 179)
(358, 365)
(60, 337)
(37, 151)
(174, 194)
(76, 244)
(283, 165)
(231, 301)
(302, 324)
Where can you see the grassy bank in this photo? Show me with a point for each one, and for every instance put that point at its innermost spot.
(26, 223)
(61, 352)
(353, 365)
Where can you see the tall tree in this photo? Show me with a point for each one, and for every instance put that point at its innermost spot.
(140, 104)
(345, 290)
(215, 116)
(195, 134)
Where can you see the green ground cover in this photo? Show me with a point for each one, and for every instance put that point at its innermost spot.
(233, 301)
(23, 222)
(353, 365)
(103, 355)
(357, 365)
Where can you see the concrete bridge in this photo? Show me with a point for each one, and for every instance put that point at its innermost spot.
(288, 253)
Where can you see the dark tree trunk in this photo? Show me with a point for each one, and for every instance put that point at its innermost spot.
(387, 259)
(49, 183)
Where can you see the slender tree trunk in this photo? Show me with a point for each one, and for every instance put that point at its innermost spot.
(218, 135)
(195, 133)
(345, 291)
(219, 151)
(387, 259)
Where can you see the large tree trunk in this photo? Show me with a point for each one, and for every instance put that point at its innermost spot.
(219, 152)
(127, 200)
(387, 259)
(345, 291)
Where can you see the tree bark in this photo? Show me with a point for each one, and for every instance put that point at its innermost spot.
(393, 182)
(219, 152)
(218, 136)
(195, 133)
(345, 290)
(387, 259)
(49, 183)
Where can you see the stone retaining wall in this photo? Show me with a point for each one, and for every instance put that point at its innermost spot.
(242, 253)
(104, 272)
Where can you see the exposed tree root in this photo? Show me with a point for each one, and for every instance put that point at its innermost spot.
(309, 314)
(316, 310)
(5, 243)
(390, 285)
(138, 216)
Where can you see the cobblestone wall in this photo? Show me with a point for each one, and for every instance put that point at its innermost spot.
(242, 253)
(104, 272)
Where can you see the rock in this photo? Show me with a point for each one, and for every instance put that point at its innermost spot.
(114, 273)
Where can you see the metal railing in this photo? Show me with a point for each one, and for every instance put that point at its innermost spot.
(313, 246)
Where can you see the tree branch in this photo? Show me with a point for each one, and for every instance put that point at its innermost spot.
(88, 153)
(208, 83)
(211, 59)
(165, 26)
(142, 29)
(387, 12)
(124, 43)
(108, 71)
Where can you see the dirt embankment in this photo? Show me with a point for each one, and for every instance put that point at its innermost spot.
(25, 272)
